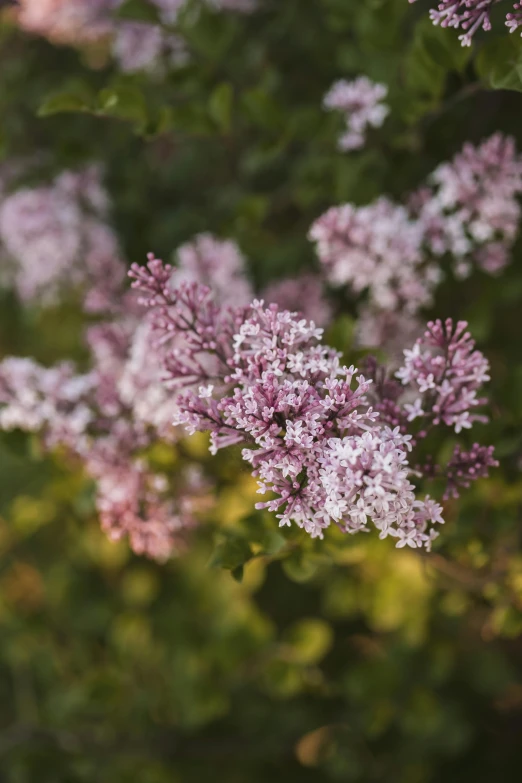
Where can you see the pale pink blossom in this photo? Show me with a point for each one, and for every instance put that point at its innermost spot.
(361, 102)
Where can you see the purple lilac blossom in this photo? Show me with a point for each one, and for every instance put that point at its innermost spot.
(468, 211)
(378, 249)
(446, 371)
(261, 377)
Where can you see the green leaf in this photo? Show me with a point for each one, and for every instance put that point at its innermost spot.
(66, 101)
(125, 102)
(257, 531)
(499, 63)
(445, 50)
(261, 108)
(231, 553)
(220, 106)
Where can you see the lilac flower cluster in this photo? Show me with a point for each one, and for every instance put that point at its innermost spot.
(261, 377)
(136, 45)
(471, 16)
(57, 236)
(361, 102)
(445, 371)
(105, 421)
(376, 248)
(468, 210)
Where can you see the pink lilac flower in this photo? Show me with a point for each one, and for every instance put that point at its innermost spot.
(57, 236)
(65, 410)
(106, 428)
(447, 371)
(261, 377)
(303, 294)
(378, 249)
(470, 208)
(52, 401)
(361, 102)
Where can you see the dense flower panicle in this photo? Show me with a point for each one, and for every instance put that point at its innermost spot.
(470, 208)
(87, 416)
(303, 294)
(361, 101)
(311, 434)
(376, 248)
(447, 371)
(106, 420)
(57, 236)
(216, 263)
(51, 401)
(135, 502)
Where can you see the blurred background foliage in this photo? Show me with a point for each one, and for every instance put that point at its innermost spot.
(345, 660)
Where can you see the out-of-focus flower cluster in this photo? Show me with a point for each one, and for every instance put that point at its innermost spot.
(106, 420)
(362, 103)
(135, 45)
(468, 211)
(57, 236)
(329, 444)
(470, 208)
(471, 16)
